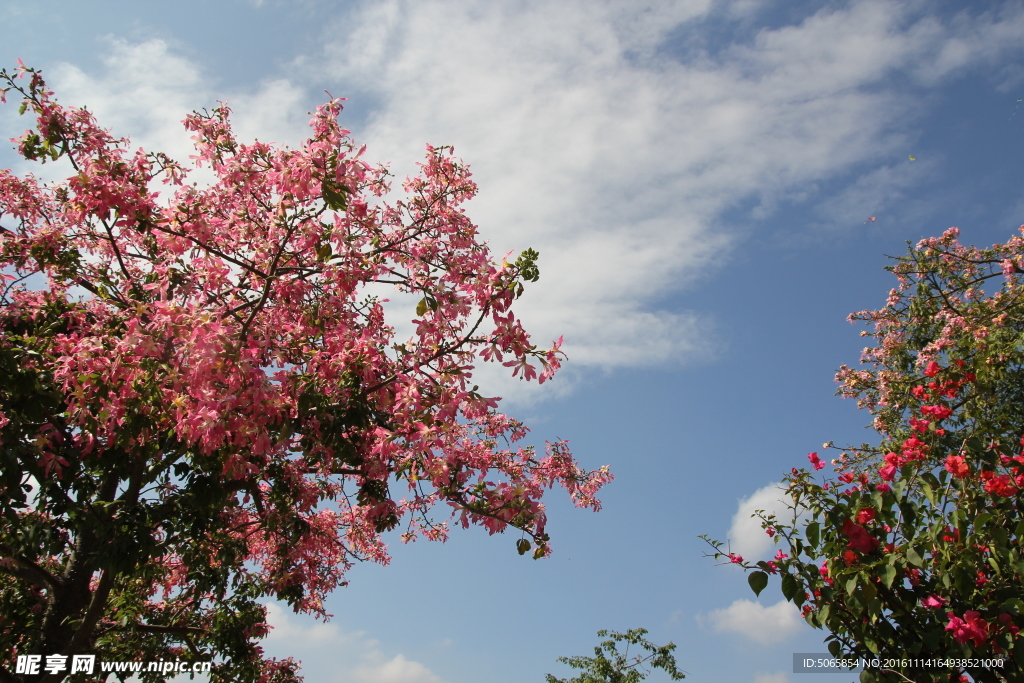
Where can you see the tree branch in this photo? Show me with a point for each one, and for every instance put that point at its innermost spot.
(31, 568)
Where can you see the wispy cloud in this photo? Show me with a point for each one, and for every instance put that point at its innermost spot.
(617, 160)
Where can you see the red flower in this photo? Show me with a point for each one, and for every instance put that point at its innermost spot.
(919, 425)
(866, 515)
(914, 576)
(938, 412)
(1000, 486)
(860, 539)
(957, 466)
(816, 461)
(932, 369)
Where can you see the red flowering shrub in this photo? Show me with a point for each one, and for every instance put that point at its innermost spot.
(932, 515)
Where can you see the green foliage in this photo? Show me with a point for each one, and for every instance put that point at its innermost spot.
(609, 666)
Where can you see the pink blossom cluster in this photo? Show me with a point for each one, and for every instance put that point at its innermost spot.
(235, 322)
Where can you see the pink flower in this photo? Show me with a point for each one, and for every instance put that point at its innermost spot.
(972, 627)
(866, 515)
(780, 555)
(816, 461)
(735, 559)
(933, 602)
(932, 369)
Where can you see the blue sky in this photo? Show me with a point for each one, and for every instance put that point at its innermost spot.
(697, 176)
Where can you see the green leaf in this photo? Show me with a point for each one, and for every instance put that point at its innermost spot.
(813, 533)
(851, 585)
(914, 558)
(928, 492)
(1013, 606)
(1000, 537)
(868, 587)
(789, 586)
(888, 575)
(422, 307)
(758, 581)
(334, 198)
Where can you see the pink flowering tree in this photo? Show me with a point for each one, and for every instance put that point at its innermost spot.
(205, 406)
(912, 549)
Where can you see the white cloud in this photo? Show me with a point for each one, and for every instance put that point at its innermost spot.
(147, 88)
(289, 629)
(616, 161)
(746, 537)
(353, 656)
(395, 670)
(777, 677)
(764, 625)
(593, 143)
